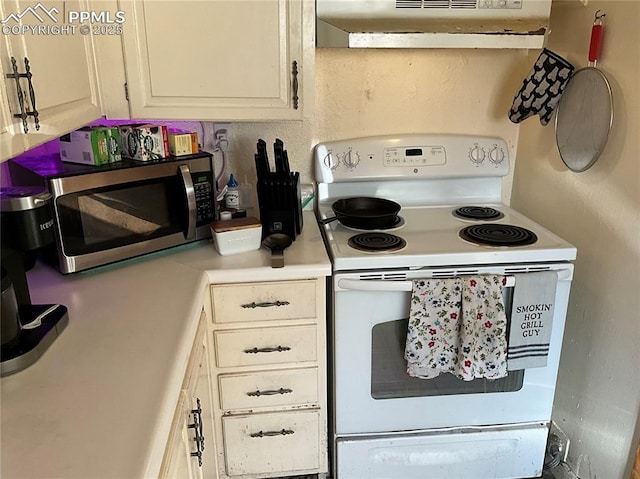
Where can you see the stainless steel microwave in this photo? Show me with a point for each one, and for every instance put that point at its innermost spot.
(121, 210)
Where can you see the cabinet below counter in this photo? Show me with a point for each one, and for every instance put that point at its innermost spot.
(101, 400)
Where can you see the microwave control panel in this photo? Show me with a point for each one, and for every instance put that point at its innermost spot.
(205, 197)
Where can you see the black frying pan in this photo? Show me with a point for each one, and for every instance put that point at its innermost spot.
(363, 212)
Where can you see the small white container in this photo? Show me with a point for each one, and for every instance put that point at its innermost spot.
(237, 235)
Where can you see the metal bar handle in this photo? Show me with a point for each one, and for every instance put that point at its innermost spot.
(282, 432)
(32, 94)
(271, 392)
(294, 72)
(278, 349)
(375, 285)
(16, 76)
(187, 183)
(199, 435)
(369, 285)
(265, 304)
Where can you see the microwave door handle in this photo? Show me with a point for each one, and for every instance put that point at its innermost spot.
(187, 183)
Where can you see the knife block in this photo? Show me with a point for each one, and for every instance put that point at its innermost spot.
(279, 199)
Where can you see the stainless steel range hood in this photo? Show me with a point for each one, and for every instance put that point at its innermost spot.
(432, 23)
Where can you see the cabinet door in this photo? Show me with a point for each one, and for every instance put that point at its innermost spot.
(177, 460)
(62, 66)
(11, 140)
(222, 60)
(192, 428)
(199, 392)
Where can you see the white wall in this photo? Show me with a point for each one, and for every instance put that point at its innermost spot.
(373, 92)
(598, 211)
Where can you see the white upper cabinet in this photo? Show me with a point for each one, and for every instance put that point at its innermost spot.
(62, 89)
(219, 60)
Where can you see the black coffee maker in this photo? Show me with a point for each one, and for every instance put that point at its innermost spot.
(26, 225)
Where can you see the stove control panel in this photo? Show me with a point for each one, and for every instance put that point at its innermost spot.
(411, 157)
(415, 156)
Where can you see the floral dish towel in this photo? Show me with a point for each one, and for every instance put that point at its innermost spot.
(483, 330)
(457, 325)
(432, 336)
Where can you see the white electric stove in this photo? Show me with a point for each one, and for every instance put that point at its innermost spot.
(452, 222)
(439, 175)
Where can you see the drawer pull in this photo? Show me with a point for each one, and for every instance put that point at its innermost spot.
(265, 305)
(282, 432)
(278, 349)
(272, 392)
(199, 436)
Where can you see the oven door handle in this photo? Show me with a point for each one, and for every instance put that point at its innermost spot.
(369, 285)
(190, 193)
(390, 286)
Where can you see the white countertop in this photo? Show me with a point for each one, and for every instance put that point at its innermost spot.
(99, 402)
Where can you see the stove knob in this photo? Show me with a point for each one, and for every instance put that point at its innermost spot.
(351, 159)
(331, 161)
(476, 154)
(496, 155)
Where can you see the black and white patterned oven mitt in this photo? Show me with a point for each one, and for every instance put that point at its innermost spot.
(542, 88)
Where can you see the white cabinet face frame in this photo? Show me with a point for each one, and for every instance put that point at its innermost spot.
(217, 60)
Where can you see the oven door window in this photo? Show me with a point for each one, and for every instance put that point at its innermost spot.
(389, 378)
(111, 217)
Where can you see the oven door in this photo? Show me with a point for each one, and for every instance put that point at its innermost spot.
(374, 394)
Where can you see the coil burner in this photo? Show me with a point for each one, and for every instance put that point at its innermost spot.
(497, 234)
(485, 213)
(377, 242)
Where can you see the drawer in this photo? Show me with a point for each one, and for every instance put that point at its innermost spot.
(264, 301)
(255, 347)
(271, 443)
(280, 388)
